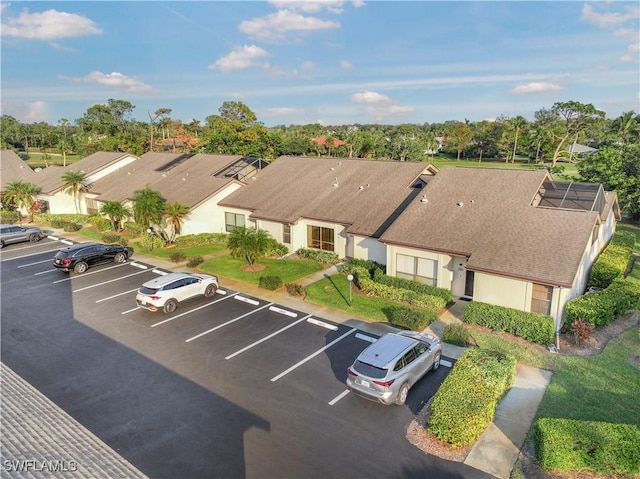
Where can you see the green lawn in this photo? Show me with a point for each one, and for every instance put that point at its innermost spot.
(569, 170)
(166, 253)
(634, 275)
(333, 292)
(289, 271)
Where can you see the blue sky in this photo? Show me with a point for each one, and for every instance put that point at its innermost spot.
(329, 62)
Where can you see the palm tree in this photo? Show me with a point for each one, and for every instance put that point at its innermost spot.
(74, 184)
(175, 214)
(627, 126)
(248, 242)
(147, 207)
(21, 195)
(116, 213)
(518, 123)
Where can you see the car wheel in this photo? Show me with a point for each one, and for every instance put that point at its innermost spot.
(402, 394)
(33, 237)
(210, 291)
(436, 362)
(170, 306)
(120, 258)
(80, 267)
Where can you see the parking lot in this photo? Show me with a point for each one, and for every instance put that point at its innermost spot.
(230, 386)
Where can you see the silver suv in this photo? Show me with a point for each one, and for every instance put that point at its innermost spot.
(386, 370)
(16, 234)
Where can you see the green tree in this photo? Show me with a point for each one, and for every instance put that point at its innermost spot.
(576, 117)
(627, 127)
(249, 243)
(148, 206)
(74, 183)
(458, 137)
(20, 195)
(175, 214)
(117, 213)
(159, 113)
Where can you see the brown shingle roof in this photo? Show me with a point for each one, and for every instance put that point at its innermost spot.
(363, 194)
(178, 177)
(13, 168)
(486, 215)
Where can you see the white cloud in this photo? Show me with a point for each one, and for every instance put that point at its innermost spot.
(379, 106)
(47, 25)
(283, 111)
(610, 19)
(240, 58)
(536, 87)
(308, 66)
(309, 6)
(346, 64)
(358, 3)
(370, 97)
(114, 80)
(275, 27)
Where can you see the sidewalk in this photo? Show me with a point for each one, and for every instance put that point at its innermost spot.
(497, 449)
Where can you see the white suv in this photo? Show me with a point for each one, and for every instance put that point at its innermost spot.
(167, 291)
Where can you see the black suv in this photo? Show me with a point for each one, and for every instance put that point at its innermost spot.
(82, 256)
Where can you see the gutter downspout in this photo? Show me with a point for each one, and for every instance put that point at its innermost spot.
(557, 322)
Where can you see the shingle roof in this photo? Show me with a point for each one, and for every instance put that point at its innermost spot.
(13, 168)
(487, 216)
(363, 194)
(46, 442)
(178, 177)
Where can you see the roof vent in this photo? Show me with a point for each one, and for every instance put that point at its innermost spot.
(335, 184)
(361, 187)
(472, 201)
(332, 168)
(184, 179)
(424, 199)
(460, 203)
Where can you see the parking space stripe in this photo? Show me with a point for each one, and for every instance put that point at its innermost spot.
(29, 255)
(45, 272)
(109, 281)
(338, 397)
(266, 337)
(192, 310)
(84, 275)
(115, 296)
(310, 357)
(37, 262)
(227, 323)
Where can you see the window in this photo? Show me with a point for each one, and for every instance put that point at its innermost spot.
(422, 270)
(92, 206)
(541, 298)
(233, 221)
(320, 238)
(286, 234)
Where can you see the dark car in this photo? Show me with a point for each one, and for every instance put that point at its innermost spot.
(15, 234)
(82, 256)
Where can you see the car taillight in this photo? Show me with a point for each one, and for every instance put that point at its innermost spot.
(384, 384)
(154, 297)
(66, 261)
(351, 372)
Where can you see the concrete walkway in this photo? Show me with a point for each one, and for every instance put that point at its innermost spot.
(497, 449)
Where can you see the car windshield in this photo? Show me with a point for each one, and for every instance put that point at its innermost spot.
(145, 290)
(369, 370)
(62, 254)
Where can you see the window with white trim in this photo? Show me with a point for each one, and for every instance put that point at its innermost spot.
(422, 270)
(541, 296)
(286, 234)
(320, 238)
(233, 221)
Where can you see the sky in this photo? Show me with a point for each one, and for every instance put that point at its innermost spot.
(328, 62)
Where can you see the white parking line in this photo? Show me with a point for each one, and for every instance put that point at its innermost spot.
(32, 254)
(366, 338)
(45, 272)
(191, 310)
(115, 296)
(266, 337)
(338, 397)
(228, 322)
(109, 281)
(37, 262)
(138, 265)
(308, 358)
(69, 278)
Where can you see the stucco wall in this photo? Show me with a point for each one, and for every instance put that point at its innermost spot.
(369, 248)
(208, 217)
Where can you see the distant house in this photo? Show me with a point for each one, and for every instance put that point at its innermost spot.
(338, 205)
(333, 143)
(506, 237)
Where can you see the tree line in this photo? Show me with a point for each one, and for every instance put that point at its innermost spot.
(236, 130)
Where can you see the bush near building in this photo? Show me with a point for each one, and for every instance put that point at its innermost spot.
(603, 307)
(613, 261)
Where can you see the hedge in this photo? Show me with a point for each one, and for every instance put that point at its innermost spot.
(466, 402)
(380, 277)
(326, 257)
(533, 327)
(366, 263)
(613, 261)
(49, 218)
(270, 282)
(605, 306)
(9, 217)
(412, 318)
(420, 300)
(572, 445)
(201, 239)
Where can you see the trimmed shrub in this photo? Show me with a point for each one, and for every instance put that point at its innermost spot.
(457, 334)
(603, 307)
(276, 249)
(132, 227)
(100, 223)
(71, 227)
(110, 238)
(48, 218)
(466, 402)
(201, 239)
(326, 257)
(195, 261)
(151, 241)
(613, 261)
(412, 318)
(8, 217)
(295, 289)
(178, 257)
(380, 277)
(572, 445)
(369, 264)
(270, 282)
(533, 327)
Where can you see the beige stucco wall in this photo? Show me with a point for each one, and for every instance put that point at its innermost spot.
(62, 203)
(369, 249)
(208, 217)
